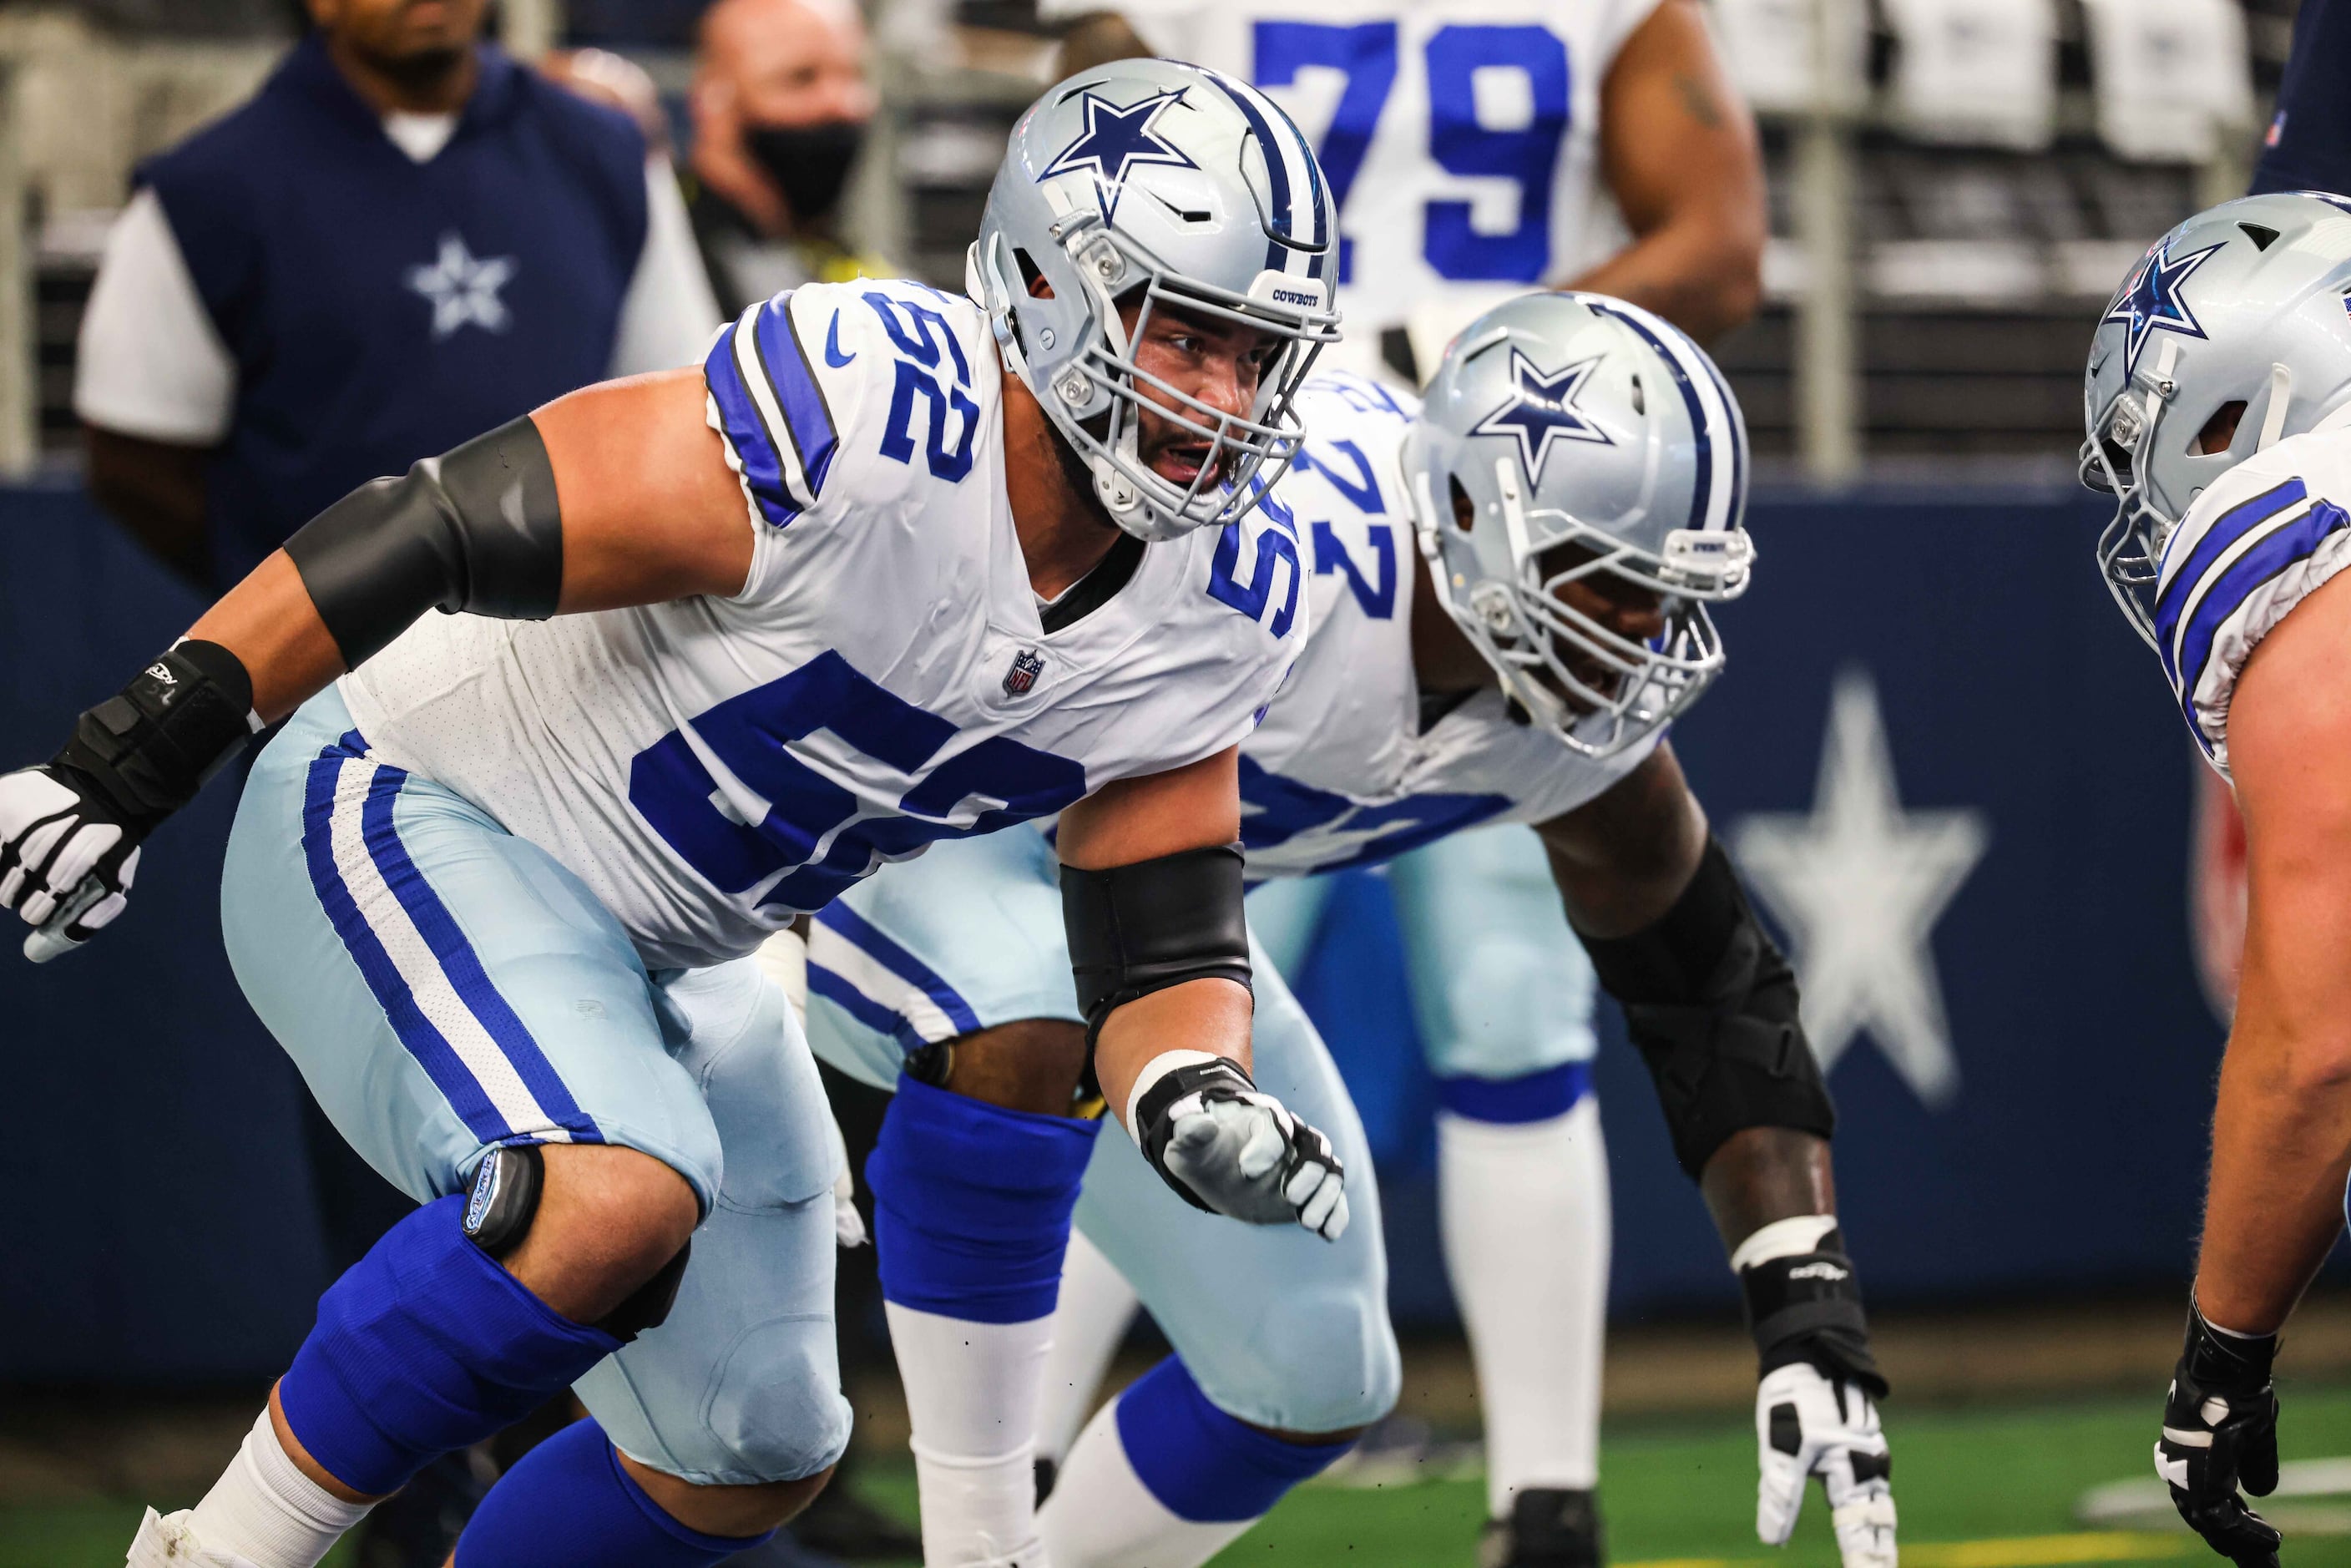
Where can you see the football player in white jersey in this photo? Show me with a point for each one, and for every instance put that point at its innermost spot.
(736, 636)
(2218, 405)
(1578, 480)
(1480, 148)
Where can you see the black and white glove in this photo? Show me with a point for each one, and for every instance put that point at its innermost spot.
(1228, 1148)
(2220, 1433)
(70, 829)
(1816, 1403)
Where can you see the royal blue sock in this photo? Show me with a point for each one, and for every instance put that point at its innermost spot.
(425, 1345)
(569, 1502)
(972, 1203)
(1539, 1096)
(1202, 1464)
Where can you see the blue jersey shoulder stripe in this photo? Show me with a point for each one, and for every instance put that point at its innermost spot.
(2284, 546)
(745, 428)
(808, 416)
(2228, 527)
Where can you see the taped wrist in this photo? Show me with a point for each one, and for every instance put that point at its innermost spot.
(151, 745)
(1806, 1307)
(1140, 928)
(475, 529)
(1179, 1092)
(1711, 1003)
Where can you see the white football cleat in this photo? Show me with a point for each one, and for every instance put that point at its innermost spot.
(168, 1542)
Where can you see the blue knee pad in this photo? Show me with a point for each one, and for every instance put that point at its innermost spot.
(971, 1203)
(1202, 1464)
(569, 1502)
(426, 1345)
(1540, 1096)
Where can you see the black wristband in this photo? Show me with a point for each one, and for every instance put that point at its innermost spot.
(2225, 1362)
(151, 746)
(1806, 1307)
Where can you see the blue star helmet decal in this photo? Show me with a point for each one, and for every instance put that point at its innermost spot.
(1116, 140)
(2150, 301)
(1542, 410)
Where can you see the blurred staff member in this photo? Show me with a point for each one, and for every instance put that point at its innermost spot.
(403, 238)
(1478, 148)
(780, 103)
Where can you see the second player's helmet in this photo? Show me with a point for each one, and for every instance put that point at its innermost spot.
(1571, 435)
(1165, 185)
(2244, 304)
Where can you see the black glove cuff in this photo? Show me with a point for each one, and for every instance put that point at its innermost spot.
(1806, 1307)
(2226, 1363)
(149, 748)
(1154, 1119)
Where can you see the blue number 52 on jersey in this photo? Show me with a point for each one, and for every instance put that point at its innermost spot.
(813, 833)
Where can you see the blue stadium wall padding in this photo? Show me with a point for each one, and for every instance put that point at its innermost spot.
(158, 1219)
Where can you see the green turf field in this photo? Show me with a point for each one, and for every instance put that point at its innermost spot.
(1991, 1488)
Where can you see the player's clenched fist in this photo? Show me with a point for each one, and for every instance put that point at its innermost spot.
(70, 829)
(56, 834)
(1228, 1147)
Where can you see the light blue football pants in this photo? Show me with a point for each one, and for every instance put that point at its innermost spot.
(445, 986)
(1278, 1328)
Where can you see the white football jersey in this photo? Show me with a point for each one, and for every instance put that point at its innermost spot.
(1341, 772)
(712, 767)
(2260, 539)
(1461, 138)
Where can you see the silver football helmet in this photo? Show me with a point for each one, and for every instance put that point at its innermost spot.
(1193, 191)
(1566, 436)
(2244, 304)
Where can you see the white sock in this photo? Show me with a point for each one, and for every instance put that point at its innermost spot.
(1097, 1305)
(1525, 1217)
(1101, 1515)
(268, 1513)
(971, 1398)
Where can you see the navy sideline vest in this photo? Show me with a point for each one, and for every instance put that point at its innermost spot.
(379, 310)
(2309, 143)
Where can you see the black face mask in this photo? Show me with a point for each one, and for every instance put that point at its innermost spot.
(809, 163)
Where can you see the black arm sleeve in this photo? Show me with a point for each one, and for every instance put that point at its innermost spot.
(1140, 928)
(474, 529)
(1712, 1004)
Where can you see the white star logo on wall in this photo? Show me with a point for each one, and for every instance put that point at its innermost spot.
(1858, 885)
(462, 289)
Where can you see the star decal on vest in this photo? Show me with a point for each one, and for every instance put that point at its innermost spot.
(2150, 302)
(1542, 410)
(462, 289)
(1116, 140)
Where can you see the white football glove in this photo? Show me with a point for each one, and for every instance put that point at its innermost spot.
(1227, 1146)
(1807, 1424)
(63, 868)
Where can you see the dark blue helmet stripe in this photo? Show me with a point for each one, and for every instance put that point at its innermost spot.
(1702, 491)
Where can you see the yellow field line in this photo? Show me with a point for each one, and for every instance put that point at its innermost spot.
(2011, 1552)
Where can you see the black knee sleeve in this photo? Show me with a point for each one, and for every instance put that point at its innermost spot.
(1711, 1003)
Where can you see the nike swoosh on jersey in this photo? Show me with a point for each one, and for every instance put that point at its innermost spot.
(832, 354)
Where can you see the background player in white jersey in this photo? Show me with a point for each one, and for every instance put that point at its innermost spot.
(2219, 406)
(1578, 478)
(1481, 148)
(736, 637)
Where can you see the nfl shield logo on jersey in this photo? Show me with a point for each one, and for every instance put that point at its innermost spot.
(1027, 666)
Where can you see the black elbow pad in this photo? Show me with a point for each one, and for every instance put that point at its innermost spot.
(475, 529)
(1711, 1003)
(1135, 929)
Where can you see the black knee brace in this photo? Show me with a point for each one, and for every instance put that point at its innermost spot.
(504, 1200)
(1712, 1004)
